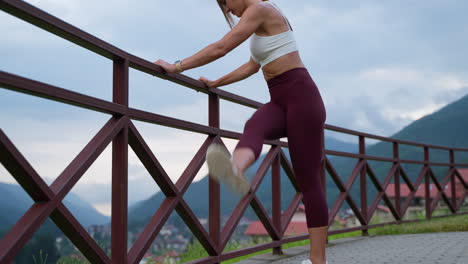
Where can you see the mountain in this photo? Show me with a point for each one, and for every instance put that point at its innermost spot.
(338, 145)
(445, 127)
(14, 202)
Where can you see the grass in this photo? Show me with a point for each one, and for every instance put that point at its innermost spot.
(68, 260)
(72, 260)
(445, 224)
(42, 258)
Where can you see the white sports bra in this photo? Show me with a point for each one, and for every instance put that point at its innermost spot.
(265, 49)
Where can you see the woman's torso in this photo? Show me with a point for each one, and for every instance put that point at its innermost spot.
(275, 23)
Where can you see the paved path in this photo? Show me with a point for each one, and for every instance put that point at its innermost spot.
(431, 248)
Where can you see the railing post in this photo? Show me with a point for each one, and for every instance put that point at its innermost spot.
(427, 183)
(119, 230)
(362, 151)
(396, 162)
(214, 193)
(452, 180)
(323, 171)
(276, 203)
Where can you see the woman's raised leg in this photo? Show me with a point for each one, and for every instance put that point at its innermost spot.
(268, 122)
(242, 158)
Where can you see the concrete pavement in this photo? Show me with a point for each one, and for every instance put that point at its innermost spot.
(430, 248)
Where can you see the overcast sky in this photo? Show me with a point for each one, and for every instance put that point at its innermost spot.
(379, 65)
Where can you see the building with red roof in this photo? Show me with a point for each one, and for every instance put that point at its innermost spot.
(419, 196)
(297, 226)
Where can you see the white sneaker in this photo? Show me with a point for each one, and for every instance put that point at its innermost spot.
(221, 169)
(307, 261)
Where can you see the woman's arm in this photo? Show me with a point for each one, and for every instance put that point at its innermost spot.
(249, 22)
(239, 74)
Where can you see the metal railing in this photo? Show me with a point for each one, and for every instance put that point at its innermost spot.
(121, 132)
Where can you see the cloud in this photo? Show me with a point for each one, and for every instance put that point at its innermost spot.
(384, 99)
(50, 145)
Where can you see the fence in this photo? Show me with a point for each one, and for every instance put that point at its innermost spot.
(121, 132)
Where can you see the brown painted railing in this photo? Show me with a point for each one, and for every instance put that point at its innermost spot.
(121, 131)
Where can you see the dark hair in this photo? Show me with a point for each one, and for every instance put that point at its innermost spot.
(229, 18)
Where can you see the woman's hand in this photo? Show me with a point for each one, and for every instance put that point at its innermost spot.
(208, 83)
(168, 67)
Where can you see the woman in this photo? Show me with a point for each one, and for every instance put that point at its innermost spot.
(296, 109)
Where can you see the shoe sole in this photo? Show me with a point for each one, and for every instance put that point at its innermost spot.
(220, 168)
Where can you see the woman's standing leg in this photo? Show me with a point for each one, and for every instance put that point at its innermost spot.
(306, 160)
(318, 242)
(305, 126)
(305, 147)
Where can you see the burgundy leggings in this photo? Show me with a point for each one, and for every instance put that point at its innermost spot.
(295, 111)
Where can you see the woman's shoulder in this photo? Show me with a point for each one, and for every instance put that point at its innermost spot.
(265, 9)
(260, 8)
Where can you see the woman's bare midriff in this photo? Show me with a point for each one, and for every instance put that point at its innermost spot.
(282, 64)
